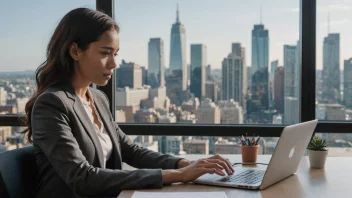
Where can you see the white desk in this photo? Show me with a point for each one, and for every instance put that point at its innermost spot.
(334, 181)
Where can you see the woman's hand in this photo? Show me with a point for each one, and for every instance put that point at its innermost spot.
(213, 165)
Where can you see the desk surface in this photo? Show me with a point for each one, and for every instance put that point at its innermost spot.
(332, 181)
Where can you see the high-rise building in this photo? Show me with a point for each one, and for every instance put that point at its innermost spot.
(178, 64)
(331, 69)
(291, 115)
(347, 83)
(290, 70)
(129, 75)
(208, 113)
(259, 68)
(156, 63)
(291, 104)
(211, 91)
(144, 76)
(279, 90)
(234, 82)
(208, 76)
(260, 47)
(198, 70)
(249, 78)
(274, 64)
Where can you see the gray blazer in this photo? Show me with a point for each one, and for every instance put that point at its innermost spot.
(69, 155)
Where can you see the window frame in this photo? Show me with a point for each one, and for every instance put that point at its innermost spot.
(307, 98)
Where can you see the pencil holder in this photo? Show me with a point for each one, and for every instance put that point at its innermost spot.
(249, 153)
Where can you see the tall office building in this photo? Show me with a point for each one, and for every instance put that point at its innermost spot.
(211, 91)
(291, 104)
(331, 68)
(274, 64)
(234, 80)
(129, 75)
(144, 76)
(279, 90)
(198, 70)
(259, 67)
(208, 76)
(291, 115)
(347, 83)
(289, 65)
(178, 51)
(156, 64)
(260, 47)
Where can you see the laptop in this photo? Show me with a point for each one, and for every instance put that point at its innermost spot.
(284, 162)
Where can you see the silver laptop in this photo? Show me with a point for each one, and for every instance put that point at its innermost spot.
(284, 162)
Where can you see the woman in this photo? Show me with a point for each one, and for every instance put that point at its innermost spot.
(79, 148)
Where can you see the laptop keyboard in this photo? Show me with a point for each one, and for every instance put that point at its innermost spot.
(247, 177)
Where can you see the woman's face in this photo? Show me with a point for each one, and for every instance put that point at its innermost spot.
(97, 63)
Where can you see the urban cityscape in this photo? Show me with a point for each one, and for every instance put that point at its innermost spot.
(190, 91)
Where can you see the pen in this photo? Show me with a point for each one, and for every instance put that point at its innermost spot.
(256, 142)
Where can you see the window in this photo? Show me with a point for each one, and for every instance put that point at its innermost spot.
(26, 29)
(334, 70)
(206, 63)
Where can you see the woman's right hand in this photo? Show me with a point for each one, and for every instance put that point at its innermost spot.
(203, 166)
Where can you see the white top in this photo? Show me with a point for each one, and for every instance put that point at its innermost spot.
(103, 136)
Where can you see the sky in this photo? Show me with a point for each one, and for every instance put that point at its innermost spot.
(26, 27)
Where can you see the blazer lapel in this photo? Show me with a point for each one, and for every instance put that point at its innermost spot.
(86, 122)
(111, 130)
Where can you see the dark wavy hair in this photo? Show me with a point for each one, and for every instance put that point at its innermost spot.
(82, 26)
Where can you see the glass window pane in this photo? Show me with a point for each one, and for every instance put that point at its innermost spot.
(223, 62)
(334, 61)
(26, 27)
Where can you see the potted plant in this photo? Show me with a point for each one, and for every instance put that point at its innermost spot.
(317, 152)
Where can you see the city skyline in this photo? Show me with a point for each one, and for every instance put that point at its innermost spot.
(134, 48)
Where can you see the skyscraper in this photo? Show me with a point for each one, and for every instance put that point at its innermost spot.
(331, 68)
(260, 48)
(279, 90)
(290, 70)
(198, 70)
(274, 64)
(347, 83)
(178, 51)
(259, 68)
(129, 75)
(156, 65)
(232, 78)
(291, 104)
(234, 82)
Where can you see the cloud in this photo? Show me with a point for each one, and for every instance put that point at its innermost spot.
(334, 7)
(332, 23)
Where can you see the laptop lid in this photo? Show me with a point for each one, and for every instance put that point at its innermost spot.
(288, 153)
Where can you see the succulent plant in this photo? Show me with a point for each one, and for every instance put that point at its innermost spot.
(317, 144)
